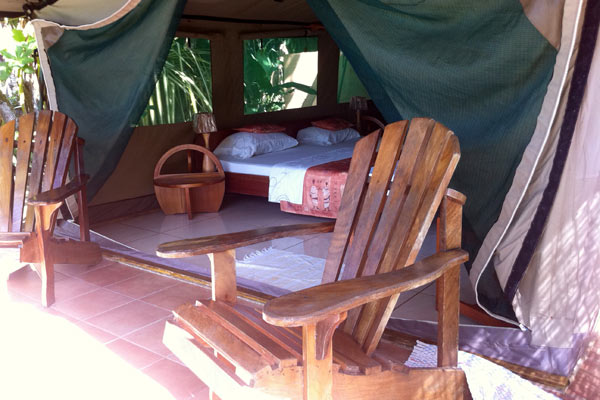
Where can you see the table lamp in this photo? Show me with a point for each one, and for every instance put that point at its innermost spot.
(358, 104)
(204, 124)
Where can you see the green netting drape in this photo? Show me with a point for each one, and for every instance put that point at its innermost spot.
(479, 67)
(104, 78)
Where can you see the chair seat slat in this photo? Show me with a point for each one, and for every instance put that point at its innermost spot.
(252, 334)
(248, 363)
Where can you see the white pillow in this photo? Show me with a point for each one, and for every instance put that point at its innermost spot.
(248, 144)
(325, 137)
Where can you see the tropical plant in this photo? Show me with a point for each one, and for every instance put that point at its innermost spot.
(184, 86)
(19, 70)
(264, 86)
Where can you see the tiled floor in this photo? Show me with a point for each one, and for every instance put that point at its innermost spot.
(101, 339)
(239, 213)
(103, 336)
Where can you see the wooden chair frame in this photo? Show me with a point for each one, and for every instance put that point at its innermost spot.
(42, 163)
(217, 338)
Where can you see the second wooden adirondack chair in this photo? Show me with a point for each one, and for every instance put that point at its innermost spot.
(325, 342)
(33, 187)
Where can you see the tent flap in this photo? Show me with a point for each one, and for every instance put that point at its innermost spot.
(481, 68)
(103, 78)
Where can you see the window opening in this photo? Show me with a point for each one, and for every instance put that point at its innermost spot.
(280, 74)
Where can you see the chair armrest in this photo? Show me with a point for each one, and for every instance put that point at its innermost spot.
(317, 303)
(228, 241)
(57, 195)
(456, 195)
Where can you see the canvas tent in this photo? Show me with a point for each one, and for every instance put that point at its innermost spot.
(516, 80)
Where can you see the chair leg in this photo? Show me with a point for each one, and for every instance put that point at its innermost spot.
(45, 217)
(82, 217)
(317, 357)
(46, 272)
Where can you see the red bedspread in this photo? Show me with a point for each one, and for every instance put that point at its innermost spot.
(322, 192)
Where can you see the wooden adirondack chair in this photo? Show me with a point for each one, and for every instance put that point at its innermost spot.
(295, 349)
(35, 154)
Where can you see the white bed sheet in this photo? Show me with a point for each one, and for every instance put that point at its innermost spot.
(261, 164)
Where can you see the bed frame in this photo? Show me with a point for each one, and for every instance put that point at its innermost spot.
(258, 185)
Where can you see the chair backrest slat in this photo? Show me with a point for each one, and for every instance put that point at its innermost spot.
(54, 144)
(24, 140)
(392, 212)
(360, 165)
(64, 156)
(431, 148)
(411, 150)
(7, 135)
(35, 154)
(428, 186)
(375, 198)
(38, 158)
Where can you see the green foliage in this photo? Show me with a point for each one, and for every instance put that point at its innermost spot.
(264, 86)
(21, 60)
(19, 70)
(184, 86)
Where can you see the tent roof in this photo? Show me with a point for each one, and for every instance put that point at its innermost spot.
(260, 10)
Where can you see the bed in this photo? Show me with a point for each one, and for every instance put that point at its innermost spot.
(305, 179)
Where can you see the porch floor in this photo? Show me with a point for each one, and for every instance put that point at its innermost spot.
(238, 213)
(103, 336)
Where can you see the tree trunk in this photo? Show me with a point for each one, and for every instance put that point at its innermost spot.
(6, 111)
(28, 96)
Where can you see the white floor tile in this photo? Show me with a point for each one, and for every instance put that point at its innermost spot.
(280, 244)
(123, 233)
(317, 246)
(159, 222)
(149, 244)
(420, 307)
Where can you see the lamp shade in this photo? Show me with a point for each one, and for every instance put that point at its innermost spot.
(204, 122)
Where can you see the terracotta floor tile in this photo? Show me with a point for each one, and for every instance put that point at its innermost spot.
(203, 394)
(176, 295)
(110, 274)
(92, 303)
(176, 378)
(133, 354)
(56, 313)
(99, 334)
(79, 269)
(18, 298)
(173, 357)
(69, 288)
(125, 319)
(27, 282)
(142, 284)
(150, 337)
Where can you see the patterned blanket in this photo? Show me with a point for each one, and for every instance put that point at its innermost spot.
(322, 190)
